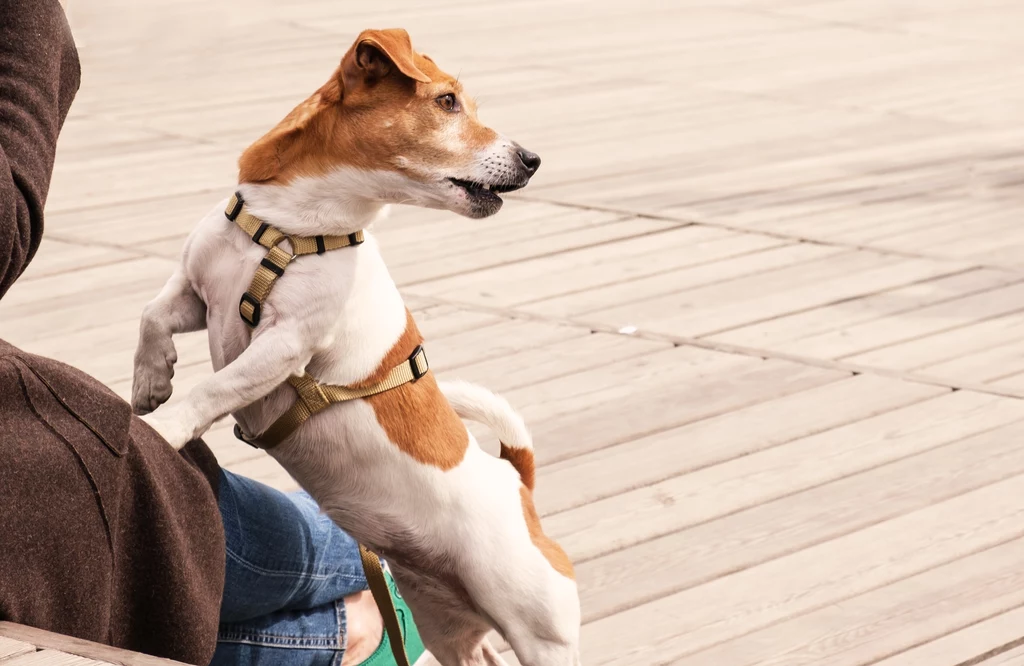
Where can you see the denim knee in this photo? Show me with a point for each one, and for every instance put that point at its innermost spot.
(314, 637)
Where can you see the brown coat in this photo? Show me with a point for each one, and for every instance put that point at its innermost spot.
(106, 533)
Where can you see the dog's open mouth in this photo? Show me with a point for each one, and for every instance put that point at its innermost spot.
(482, 192)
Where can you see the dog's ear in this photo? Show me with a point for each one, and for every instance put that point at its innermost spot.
(377, 53)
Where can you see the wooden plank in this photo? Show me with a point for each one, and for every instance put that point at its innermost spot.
(10, 648)
(55, 257)
(717, 308)
(648, 460)
(875, 221)
(80, 300)
(107, 350)
(497, 341)
(980, 367)
(854, 342)
(587, 294)
(736, 541)
(158, 217)
(616, 522)
(531, 366)
(645, 407)
(619, 401)
(82, 648)
(687, 622)
(544, 277)
(970, 644)
(182, 167)
(1012, 382)
(951, 343)
(411, 233)
(438, 321)
(774, 333)
(881, 622)
(525, 248)
(1011, 657)
(619, 378)
(52, 658)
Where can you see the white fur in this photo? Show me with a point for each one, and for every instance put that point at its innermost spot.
(348, 199)
(337, 315)
(475, 403)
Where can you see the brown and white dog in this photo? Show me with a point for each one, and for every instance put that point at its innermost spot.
(397, 470)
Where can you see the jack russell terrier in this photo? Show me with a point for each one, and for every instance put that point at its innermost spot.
(322, 365)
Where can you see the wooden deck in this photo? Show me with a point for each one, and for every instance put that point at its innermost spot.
(28, 646)
(763, 306)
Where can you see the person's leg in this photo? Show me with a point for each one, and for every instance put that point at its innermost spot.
(294, 586)
(282, 553)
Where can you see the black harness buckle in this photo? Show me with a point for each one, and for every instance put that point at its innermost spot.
(418, 363)
(259, 232)
(272, 267)
(239, 202)
(241, 436)
(257, 309)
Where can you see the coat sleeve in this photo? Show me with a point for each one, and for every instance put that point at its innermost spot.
(39, 75)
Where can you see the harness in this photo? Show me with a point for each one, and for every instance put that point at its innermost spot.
(313, 396)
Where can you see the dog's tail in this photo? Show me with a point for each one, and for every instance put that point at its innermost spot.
(475, 403)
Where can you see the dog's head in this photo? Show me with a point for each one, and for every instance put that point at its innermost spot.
(390, 120)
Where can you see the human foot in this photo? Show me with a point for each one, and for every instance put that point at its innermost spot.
(368, 643)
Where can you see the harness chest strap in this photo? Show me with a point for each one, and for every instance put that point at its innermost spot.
(272, 266)
(314, 396)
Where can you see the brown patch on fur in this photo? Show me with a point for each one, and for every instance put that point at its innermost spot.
(378, 106)
(522, 460)
(416, 416)
(551, 551)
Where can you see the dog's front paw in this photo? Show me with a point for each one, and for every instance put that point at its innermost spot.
(154, 368)
(173, 424)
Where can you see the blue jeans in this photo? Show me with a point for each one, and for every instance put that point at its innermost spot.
(288, 570)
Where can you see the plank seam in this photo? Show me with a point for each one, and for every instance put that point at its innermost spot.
(790, 551)
(742, 350)
(764, 232)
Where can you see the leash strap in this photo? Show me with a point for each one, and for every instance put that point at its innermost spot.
(385, 604)
(250, 307)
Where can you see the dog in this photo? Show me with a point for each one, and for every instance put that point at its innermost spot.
(398, 470)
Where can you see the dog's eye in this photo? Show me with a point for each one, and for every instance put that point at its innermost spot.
(448, 103)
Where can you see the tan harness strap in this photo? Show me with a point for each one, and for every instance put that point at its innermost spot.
(321, 244)
(314, 396)
(374, 573)
(250, 307)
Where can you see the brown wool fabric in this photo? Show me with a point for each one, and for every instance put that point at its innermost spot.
(106, 532)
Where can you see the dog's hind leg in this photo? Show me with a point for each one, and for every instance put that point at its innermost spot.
(452, 633)
(176, 309)
(541, 624)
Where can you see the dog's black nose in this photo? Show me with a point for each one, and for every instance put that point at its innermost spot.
(531, 161)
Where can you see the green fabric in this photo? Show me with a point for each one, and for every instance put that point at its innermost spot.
(413, 644)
